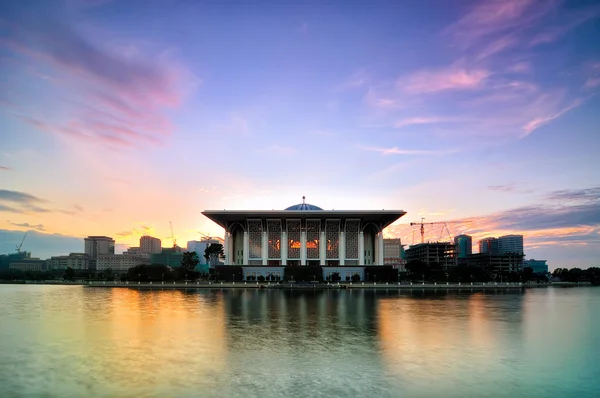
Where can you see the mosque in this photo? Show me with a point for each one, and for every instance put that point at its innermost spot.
(264, 242)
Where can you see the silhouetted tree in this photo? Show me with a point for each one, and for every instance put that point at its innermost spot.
(212, 254)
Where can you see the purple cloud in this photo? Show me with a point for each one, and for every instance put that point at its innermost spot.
(125, 93)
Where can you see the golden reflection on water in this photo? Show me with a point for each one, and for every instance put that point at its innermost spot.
(426, 338)
(79, 341)
(153, 339)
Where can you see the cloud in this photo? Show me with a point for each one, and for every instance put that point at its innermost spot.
(493, 17)
(40, 245)
(424, 120)
(586, 195)
(453, 78)
(510, 187)
(398, 151)
(592, 82)
(20, 202)
(4, 168)
(126, 91)
(542, 120)
(38, 227)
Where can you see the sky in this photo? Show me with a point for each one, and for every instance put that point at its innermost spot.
(119, 117)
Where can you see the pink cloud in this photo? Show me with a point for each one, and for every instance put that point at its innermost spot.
(424, 120)
(494, 16)
(119, 98)
(452, 78)
(539, 121)
(399, 151)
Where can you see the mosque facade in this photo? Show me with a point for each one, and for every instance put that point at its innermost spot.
(264, 242)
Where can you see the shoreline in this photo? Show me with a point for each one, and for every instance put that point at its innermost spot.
(341, 286)
(306, 286)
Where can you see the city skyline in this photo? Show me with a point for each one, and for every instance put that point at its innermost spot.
(121, 117)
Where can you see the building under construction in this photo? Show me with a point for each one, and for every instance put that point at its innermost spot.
(442, 253)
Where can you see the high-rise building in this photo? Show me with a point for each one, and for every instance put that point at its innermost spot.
(510, 244)
(150, 244)
(464, 245)
(98, 245)
(489, 246)
(438, 253)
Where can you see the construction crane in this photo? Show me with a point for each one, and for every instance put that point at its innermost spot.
(22, 241)
(445, 224)
(173, 235)
(205, 236)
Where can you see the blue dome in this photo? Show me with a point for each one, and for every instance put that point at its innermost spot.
(304, 206)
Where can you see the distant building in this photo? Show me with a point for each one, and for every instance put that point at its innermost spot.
(76, 261)
(393, 253)
(149, 244)
(464, 245)
(98, 245)
(510, 244)
(442, 253)
(170, 257)
(497, 263)
(120, 263)
(538, 266)
(6, 259)
(489, 246)
(136, 251)
(28, 264)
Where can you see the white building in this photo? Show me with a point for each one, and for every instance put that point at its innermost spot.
(510, 244)
(150, 244)
(76, 261)
(119, 262)
(199, 246)
(340, 241)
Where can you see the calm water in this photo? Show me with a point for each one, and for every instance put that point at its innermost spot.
(72, 341)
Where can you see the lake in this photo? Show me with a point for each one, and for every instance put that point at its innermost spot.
(75, 341)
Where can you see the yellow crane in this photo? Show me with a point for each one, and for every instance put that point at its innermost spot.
(173, 235)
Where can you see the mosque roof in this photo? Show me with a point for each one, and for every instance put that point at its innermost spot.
(303, 206)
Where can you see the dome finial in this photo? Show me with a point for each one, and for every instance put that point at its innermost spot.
(303, 199)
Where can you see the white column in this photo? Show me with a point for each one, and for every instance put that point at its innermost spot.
(361, 248)
(284, 247)
(342, 248)
(380, 244)
(226, 248)
(246, 248)
(375, 250)
(231, 248)
(322, 249)
(303, 247)
(265, 248)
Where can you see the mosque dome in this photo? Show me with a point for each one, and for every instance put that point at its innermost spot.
(303, 206)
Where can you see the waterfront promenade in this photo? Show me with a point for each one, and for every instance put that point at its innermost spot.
(313, 286)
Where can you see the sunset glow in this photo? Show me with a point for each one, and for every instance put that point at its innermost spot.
(117, 118)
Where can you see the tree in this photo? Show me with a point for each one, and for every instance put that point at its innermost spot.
(418, 268)
(190, 261)
(212, 254)
(356, 278)
(69, 273)
(527, 274)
